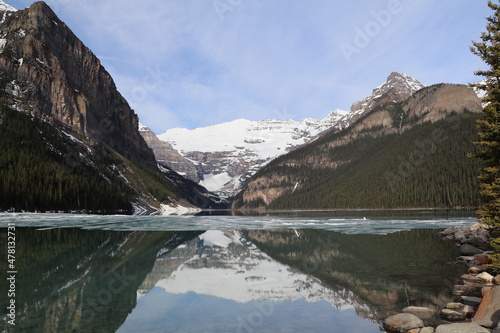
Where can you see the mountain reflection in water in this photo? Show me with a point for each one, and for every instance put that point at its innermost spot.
(225, 281)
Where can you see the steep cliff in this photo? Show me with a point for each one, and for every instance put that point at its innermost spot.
(50, 71)
(407, 154)
(166, 154)
(83, 150)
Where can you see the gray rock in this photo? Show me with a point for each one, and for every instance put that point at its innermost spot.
(427, 330)
(452, 315)
(461, 328)
(460, 236)
(471, 300)
(466, 258)
(420, 312)
(469, 250)
(402, 323)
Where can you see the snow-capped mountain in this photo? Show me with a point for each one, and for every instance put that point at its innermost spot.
(227, 154)
(4, 7)
(221, 157)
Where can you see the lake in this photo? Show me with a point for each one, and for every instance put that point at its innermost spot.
(317, 271)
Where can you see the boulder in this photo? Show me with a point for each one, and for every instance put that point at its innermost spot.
(469, 250)
(486, 289)
(465, 289)
(483, 258)
(402, 323)
(462, 328)
(485, 277)
(488, 313)
(459, 236)
(497, 279)
(447, 232)
(470, 278)
(454, 306)
(421, 312)
(466, 258)
(477, 269)
(471, 300)
(468, 311)
(452, 315)
(427, 330)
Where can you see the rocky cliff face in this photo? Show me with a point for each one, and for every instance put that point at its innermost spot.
(428, 104)
(48, 70)
(439, 101)
(165, 154)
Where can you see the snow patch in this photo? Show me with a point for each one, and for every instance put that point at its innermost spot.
(481, 94)
(168, 210)
(143, 128)
(72, 138)
(4, 7)
(72, 282)
(215, 182)
(3, 42)
(14, 89)
(21, 33)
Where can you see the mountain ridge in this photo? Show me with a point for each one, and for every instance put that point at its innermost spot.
(223, 156)
(334, 157)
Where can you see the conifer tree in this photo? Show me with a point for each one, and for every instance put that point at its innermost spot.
(488, 49)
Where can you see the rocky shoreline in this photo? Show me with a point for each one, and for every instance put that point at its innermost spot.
(476, 305)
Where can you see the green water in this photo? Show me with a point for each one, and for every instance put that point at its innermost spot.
(285, 279)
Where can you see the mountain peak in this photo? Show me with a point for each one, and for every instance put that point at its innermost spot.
(336, 113)
(4, 7)
(404, 80)
(396, 88)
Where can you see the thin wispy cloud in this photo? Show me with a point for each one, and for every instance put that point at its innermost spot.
(195, 62)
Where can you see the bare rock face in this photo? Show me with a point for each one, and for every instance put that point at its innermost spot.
(397, 88)
(438, 101)
(429, 104)
(167, 155)
(48, 70)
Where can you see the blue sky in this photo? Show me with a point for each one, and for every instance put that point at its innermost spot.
(192, 63)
